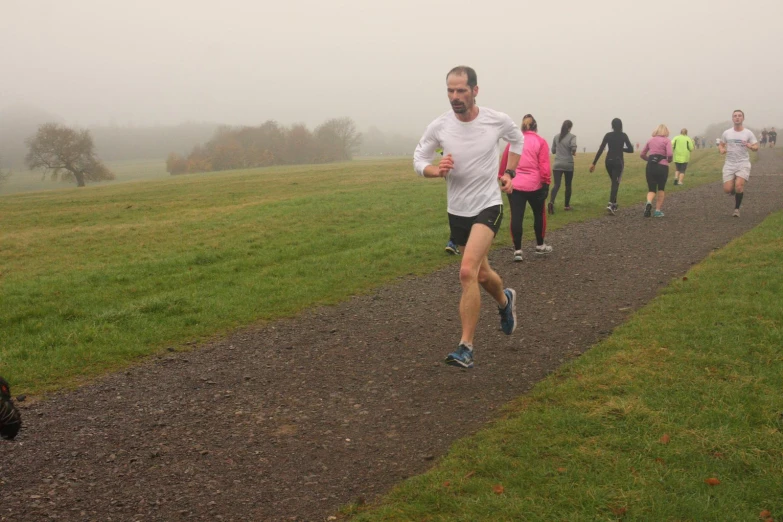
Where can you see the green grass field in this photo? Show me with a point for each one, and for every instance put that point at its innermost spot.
(686, 393)
(94, 278)
(126, 171)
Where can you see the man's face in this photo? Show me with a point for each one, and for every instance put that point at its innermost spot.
(461, 96)
(737, 118)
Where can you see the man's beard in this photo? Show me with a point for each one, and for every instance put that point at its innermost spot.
(459, 108)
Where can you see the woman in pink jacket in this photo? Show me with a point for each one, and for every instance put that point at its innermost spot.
(531, 186)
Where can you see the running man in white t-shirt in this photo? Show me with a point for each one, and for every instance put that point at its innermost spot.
(735, 144)
(469, 137)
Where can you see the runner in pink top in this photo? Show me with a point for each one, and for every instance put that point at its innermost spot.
(657, 153)
(531, 185)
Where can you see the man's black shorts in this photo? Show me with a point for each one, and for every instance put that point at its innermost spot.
(461, 225)
(681, 167)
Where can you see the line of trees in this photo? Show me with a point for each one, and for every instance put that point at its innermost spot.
(270, 144)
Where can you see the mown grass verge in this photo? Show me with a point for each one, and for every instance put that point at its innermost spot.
(677, 416)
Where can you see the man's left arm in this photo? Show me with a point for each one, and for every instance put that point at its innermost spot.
(516, 142)
(753, 143)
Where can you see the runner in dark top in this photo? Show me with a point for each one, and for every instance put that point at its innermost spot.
(618, 143)
(772, 135)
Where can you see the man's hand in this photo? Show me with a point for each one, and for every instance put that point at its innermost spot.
(506, 185)
(445, 165)
(592, 167)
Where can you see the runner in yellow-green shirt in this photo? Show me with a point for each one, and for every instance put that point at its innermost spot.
(682, 146)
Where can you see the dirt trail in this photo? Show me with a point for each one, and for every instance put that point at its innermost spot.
(291, 421)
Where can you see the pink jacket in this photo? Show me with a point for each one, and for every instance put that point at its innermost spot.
(534, 168)
(658, 145)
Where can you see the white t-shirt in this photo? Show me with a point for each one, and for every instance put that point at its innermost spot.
(472, 185)
(737, 154)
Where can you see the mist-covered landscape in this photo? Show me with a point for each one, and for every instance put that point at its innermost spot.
(226, 294)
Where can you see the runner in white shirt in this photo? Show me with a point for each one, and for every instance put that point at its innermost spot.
(735, 144)
(469, 137)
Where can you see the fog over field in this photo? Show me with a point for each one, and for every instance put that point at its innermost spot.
(683, 63)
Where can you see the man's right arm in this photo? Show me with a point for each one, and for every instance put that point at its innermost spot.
(425, 151)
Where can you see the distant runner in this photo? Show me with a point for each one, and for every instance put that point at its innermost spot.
(772, 135)
(618, 143)
(564, 149)
(682, 146)
(657, 153)
(735, 144)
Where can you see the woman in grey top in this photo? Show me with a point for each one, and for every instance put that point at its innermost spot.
(564, 149)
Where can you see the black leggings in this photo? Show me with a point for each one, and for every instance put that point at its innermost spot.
(657, 175)
(517, 202)
(569, 176)
(614, 166)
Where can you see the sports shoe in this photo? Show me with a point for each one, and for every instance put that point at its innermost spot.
(736, 212)
(550, 208)
(676, 182)
(462, 357)
(508, 315)
(568, 208)
(658, 213)
(543, 249)
(518, 255)
(452, 249)
(647, 209)
(681, 183)
(610, 208)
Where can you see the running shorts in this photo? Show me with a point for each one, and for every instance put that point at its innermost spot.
(657, 175)
(460, 225)
(729, 172)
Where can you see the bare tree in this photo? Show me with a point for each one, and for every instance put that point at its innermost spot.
(4, 174)
(339, 139)
(66, 153)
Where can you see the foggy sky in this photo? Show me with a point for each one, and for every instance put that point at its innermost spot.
(683, 63)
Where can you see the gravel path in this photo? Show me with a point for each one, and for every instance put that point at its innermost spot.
(293, 420)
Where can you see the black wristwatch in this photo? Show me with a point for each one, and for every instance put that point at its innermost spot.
(511, 173)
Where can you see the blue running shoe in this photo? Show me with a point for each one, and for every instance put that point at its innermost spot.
(658, 213)
(462, 358)
(508, 315)
(452, 249)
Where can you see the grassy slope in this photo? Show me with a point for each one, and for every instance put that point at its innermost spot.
(94, 278)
